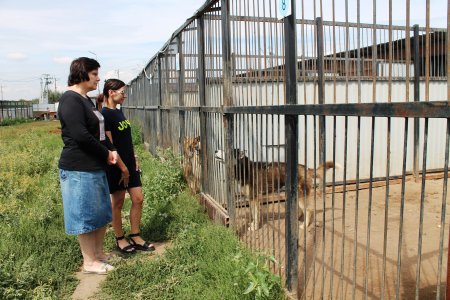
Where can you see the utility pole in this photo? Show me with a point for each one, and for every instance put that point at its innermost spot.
(54, 78)
(117, 71)
(1, 88)
(46, 80)
(42, 93)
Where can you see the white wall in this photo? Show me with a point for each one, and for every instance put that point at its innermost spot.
(263, 136)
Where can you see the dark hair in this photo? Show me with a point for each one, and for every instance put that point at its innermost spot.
(110, 85)
(99, 101)
(79, 69)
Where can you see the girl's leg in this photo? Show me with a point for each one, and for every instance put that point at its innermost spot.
(137, 199)
(117, 200)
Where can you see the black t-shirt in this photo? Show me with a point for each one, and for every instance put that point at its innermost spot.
(120, 129)
(85, 144)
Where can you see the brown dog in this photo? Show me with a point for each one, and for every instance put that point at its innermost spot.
(191, 163)
(260, 178)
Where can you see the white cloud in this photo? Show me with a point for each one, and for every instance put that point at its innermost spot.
(17, 56)
(62, 60)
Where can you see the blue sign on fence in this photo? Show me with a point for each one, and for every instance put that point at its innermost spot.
(284, 8)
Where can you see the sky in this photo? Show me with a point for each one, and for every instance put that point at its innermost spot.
(43, 36)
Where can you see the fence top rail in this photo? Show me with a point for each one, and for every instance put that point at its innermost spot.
(328, 23)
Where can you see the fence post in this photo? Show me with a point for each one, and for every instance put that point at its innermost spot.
(417, 72)
(321, 92)
(181, 111)
(291, 133)
(202, 100)
(159, 111)
(228, 119)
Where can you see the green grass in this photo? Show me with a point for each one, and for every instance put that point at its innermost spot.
(205, 261)
(10, 122)
(38, 260)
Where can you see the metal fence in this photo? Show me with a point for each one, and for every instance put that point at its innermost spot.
(15, 110)
(319, 140)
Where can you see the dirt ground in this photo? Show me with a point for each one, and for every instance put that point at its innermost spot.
(337, 259)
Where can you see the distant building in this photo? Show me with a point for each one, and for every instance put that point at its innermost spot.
(45, 111)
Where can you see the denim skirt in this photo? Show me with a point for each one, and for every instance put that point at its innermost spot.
(86, 200)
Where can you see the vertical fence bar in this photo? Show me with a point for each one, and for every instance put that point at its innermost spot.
(355, 233)
(202, 100)
(443, 211)
(374, 51)
(448, 58)
(321, 88)
(359, 66)
(448, 121)
(422, 207)
(445, 194)
(369, 211)
(159, 111)
(390, 54)
(386, 206)
(228, 119)
(417, 72)
(427, 51)
(344, 204)
(408, 50)
(333, 196)
(291, 133)
(181, 112)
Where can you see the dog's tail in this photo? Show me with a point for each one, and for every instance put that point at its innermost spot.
(325, 166)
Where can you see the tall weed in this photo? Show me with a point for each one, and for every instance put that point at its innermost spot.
(205, 261)
(162, 181)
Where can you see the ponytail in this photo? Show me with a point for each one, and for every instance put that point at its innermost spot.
(99, 101)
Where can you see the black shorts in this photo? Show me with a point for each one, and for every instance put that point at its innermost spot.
(114, 175)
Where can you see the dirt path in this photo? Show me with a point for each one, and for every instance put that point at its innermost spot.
(89, 284)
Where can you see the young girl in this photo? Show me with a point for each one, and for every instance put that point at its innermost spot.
(125, 176)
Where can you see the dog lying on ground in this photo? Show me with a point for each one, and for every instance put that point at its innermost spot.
(260, 178)
(191, 162)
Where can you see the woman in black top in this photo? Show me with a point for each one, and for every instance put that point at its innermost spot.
(84, 157)
(120, 178)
